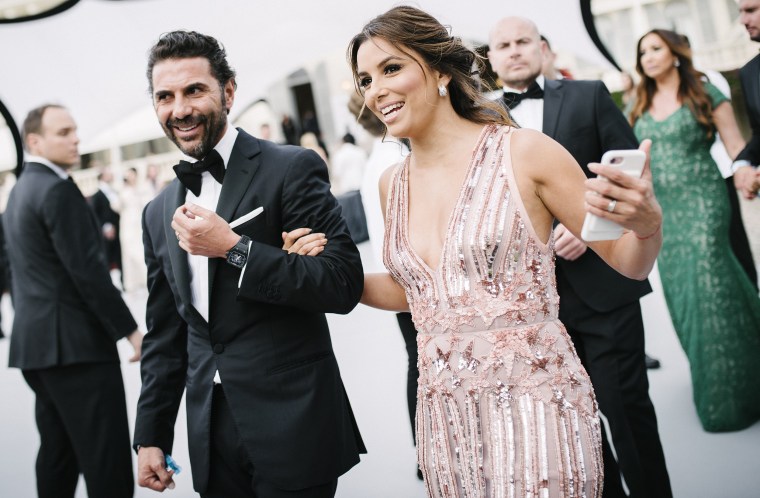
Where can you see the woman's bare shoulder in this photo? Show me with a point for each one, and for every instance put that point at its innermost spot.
(536, 152)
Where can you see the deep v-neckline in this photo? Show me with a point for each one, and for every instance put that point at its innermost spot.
(460, 198)
(666, 118)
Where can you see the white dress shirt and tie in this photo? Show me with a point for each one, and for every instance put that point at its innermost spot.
(208, 198)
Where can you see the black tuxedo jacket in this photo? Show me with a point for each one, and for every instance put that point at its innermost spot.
(582, 117)
(104, 213)
(749, 76)
(67, 310)
(268, 338)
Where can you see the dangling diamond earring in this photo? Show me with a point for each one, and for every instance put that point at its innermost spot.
(442, 91)
(677, 63)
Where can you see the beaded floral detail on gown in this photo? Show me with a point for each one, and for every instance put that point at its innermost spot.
(504, 407)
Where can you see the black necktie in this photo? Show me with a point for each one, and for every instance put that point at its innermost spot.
(511, 99)
(190, 174)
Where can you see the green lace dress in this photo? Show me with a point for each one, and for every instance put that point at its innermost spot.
(714, 308)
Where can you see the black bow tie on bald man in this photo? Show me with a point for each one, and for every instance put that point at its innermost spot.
(511, 99)
(191, 174)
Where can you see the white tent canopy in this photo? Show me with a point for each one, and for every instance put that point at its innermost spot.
(92, 57)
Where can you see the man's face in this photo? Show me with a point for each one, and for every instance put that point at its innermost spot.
(749, 16)
(516, 52)
(190, 104)
(57, 141)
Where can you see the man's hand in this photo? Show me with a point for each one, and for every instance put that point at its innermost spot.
(151, 469)
(746, 181)
(202, 232)
(302, 241)
(566, 245)
(135, 339)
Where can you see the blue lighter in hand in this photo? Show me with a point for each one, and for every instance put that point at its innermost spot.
(172, 465)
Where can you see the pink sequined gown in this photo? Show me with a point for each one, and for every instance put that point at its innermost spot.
(504, 407)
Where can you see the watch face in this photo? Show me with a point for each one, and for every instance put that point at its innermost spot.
(236, 259)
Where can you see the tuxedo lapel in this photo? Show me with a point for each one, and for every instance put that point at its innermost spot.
(243, 164)
(175, 197)
(754, 80)
(553, 97)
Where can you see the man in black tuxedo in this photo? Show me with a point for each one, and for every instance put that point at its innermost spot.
(68, 318)
(103, 202)
(598, 306)
(233, 318)
(746, 173)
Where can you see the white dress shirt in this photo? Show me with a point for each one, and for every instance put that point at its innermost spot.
(529, 113)
(209, 198)
(31, 158)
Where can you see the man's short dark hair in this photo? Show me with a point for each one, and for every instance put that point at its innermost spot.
(546, 40)
(33, 121)
(187, 44)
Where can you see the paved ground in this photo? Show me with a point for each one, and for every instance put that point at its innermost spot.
(373, 362)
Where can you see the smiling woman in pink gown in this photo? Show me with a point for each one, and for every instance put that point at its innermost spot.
(504, 406)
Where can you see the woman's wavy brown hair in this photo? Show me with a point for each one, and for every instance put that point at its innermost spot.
(411, 29)
(691, 90)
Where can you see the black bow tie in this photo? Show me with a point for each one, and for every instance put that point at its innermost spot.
(190, 174)
(511, 99)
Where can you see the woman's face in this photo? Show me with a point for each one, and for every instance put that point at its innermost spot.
(656, 58)
(130, 177)
(397, 89)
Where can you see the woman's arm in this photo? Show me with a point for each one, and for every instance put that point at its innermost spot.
(380, 290)
(637, 209)
(552, 185)
(725, 122)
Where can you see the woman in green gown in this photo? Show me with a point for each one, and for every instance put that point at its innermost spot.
(714, 307)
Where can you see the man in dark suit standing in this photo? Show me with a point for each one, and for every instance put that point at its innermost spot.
(68, 318)
(746, 173)
(233, 318)
(105, 203)
(598, 306)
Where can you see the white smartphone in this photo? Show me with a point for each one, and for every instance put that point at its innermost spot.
(630, 162)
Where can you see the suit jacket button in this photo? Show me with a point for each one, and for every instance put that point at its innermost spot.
(219, 348)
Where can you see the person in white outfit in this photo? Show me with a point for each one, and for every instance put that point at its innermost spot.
(348, 165)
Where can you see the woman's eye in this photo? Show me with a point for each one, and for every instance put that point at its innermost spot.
(364, 82)
(392, 68)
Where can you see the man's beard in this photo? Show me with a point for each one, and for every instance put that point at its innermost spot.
(213, 125)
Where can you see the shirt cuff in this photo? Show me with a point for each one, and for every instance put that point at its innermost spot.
(242, 272)
(739, 164)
